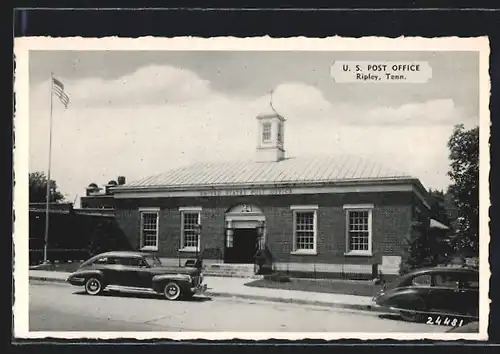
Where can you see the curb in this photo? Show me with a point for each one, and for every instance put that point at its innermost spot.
(295, 301)
(257, 297)
(47, 279)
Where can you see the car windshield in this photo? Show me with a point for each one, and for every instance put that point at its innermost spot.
(152, 260)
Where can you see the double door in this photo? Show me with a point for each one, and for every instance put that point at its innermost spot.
(242, 247)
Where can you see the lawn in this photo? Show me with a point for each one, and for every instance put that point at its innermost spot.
(346, 287)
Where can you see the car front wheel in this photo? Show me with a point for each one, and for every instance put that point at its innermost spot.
(93, 286)
(172, 291)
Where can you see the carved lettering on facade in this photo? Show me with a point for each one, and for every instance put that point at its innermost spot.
(246, 192)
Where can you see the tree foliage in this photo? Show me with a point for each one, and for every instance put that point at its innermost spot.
(418, 247)
(38, 189)
(437, 202)
(464, 173)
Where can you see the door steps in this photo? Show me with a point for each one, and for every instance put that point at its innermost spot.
(231, 270)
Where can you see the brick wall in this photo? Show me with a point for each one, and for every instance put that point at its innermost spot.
(391, 219)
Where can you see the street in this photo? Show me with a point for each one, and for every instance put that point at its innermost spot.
(60, 307)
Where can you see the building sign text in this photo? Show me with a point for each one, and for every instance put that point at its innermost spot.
(246, 192)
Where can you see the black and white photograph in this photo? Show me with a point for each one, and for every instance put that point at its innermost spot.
(251, 188)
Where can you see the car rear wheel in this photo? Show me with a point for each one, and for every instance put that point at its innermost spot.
(93, 286)
(172, 291)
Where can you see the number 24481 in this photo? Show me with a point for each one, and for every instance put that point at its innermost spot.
(446, 321)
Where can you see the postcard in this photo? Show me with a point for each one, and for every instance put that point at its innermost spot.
(251, 188)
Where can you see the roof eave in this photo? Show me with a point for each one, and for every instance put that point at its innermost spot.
(191, 187)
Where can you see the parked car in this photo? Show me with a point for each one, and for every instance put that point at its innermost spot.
(137, 271)
(439, 295)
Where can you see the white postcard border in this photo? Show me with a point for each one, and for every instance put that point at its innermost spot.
(22, 46)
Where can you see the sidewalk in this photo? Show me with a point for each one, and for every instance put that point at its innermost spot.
(235, 288)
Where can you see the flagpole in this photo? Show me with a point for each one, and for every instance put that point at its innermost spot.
(47, 205)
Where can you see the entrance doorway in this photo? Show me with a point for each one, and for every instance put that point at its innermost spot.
(242, 233)
(243, 247)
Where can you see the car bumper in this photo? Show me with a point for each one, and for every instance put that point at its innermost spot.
(382, 309)
(200, 289)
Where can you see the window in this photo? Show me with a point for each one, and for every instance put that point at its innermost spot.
(471, 281)
(131, 261)
(450, 280)
(149, 229)
(152, 260)
(424, 280)
(304, 229)
(103, 260)
(359, 229)
(266, 132)
(190, 235)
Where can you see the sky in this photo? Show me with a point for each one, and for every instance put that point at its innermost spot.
(139, 113)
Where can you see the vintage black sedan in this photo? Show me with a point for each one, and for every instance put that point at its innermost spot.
(438, 296)
(127, 270)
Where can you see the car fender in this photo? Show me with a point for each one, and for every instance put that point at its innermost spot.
(407, 299)
(84, 274)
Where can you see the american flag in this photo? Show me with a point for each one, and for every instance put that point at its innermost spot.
(58, 90)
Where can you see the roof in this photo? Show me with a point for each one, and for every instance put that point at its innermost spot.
(318, 169)
(87, 212)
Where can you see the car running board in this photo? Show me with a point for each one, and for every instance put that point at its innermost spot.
(131, 289)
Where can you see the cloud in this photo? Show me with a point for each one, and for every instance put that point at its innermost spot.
(151, 85)
(434, 112)
(162, 117)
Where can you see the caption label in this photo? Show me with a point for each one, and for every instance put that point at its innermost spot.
(381, 71)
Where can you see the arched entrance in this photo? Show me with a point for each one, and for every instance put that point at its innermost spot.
(245, 233)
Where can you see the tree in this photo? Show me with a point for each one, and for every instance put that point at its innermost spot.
(441, 210)
(417, 246)
(437, 203)
(464, 173)
(38, 189)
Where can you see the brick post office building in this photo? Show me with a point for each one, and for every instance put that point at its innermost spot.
(324, 215)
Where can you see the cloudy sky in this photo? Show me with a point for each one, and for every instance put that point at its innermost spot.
(141, 113)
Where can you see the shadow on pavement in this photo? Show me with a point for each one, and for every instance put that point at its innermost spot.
(391, 317)
(138, 295)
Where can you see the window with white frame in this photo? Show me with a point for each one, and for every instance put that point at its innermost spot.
(190, 237)
(266, 131)
(149, 229)
(304, 225)
(359, 229)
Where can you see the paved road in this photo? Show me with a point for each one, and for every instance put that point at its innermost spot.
(60, 307)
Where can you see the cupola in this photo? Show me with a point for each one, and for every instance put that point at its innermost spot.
(271, 129)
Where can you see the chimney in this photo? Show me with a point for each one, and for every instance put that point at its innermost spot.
(121, 180)
(92, 189)
(109, 185)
